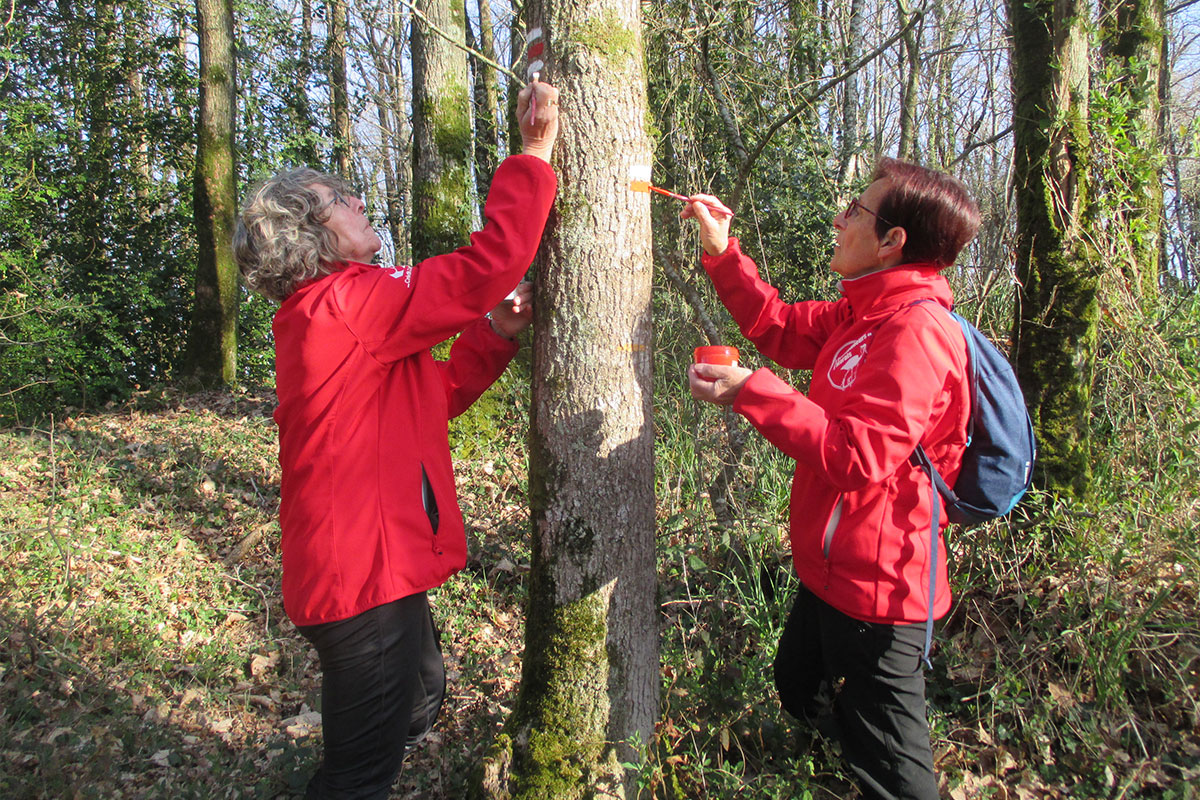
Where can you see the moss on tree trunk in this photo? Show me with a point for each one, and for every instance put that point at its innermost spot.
(442, 208)
(211, 354)
(1055, 330)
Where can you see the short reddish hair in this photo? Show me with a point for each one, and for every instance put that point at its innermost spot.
(936, 211)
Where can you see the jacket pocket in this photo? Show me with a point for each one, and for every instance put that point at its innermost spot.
(429, 500)
(835, 517)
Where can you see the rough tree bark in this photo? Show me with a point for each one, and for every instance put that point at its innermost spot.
(211, 354)
(441, 132)
(1055, 328)
(590, 676)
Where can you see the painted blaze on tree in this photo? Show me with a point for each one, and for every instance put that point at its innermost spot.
(589, 683)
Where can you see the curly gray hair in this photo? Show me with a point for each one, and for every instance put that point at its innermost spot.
(280, 240)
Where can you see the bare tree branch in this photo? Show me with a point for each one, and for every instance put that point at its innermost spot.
(747, 165)
(689, 293)
(1181, 6)
(982, 143)
(469, 50)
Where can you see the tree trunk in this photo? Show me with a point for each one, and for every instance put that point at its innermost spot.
(384, 42)
(212, 341)
(305, 149)
(589, 682)
(339, 93)
(849, 144)
(487, 99)
(1055, 330)
(1133, 32)
(441, 132)
(907, 149)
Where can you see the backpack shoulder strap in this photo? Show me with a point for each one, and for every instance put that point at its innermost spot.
(937, 485)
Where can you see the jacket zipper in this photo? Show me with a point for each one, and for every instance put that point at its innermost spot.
(429, 503)
(827, 542)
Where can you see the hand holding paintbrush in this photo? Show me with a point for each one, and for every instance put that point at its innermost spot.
(713, 218)
(537, 114)
(640, 182)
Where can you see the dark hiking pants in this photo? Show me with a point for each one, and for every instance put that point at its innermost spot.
(382, 685)
(879, 707)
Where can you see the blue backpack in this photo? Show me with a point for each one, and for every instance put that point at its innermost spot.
(997, 465)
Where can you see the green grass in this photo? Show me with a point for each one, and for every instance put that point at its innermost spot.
(144, 651)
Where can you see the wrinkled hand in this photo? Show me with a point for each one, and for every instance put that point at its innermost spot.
(540, 129)
(511, 317)
(713, 217)
(717, 383)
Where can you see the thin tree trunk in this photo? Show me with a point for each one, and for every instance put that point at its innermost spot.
(297, 93)
(907, 149)
(212, 340)
(487, 99)
(848, 145)
(389, 96)
(1055, 330)
(339, 93)
(589, 683)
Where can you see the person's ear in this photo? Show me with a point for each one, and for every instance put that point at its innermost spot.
(891, 246)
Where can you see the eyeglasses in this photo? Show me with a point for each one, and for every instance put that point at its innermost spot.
(338, 197)
(852, 212)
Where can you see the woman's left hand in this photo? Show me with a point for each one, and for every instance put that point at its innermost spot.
(512, 316)
(717, 383)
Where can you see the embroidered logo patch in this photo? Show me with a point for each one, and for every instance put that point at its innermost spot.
(844, 367)
(401, 271)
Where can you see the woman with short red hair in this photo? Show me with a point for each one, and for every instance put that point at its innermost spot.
(889, 373)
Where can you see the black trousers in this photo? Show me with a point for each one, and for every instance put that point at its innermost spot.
(382, 685)
(879, 707)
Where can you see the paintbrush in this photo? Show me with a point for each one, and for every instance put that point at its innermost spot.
(534, 64)
(640, 182)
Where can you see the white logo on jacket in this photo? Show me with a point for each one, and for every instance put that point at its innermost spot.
(844, 367)
(401, 271)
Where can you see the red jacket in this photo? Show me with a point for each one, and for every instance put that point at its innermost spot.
(363, 407)
(887, 375)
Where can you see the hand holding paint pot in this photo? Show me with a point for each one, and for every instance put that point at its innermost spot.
(716, 377)
(716, 354)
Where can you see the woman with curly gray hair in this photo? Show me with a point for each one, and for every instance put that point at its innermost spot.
(368, 512)
(284, 237)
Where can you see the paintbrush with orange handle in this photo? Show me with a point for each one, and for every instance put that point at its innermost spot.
(640, 182)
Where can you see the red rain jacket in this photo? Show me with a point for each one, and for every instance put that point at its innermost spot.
(363, 406)
(887, 375)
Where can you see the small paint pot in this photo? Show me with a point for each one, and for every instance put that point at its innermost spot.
(716, 354)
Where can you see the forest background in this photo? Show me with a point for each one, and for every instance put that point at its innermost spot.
(143, 651)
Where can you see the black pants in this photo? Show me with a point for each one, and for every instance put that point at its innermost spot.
(879, 708)
(382, 685)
